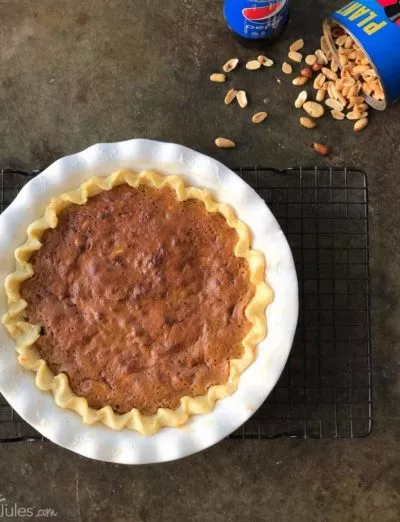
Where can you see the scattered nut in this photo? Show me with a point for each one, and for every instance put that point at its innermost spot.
(352, 91)
(301, 99)
(345, 79)
(356, 99)
(348, 81)
(241, 97)
(230, 65)
(311, 59)
(317, 67)
(300, 80)
(338, 85)
(355, 115)
(334, 66)
(321, 149)
(337, 115)
(297, 45)
(225, 143)
(341, 40)
(267, 62)
(259, 117)
(321, 93)
(360, 124)
(295, 56)
(339, 96)
(363, 107)
(345, 91)
(314, 109)
(218, 78)
(321, 58)
(359, 69)
(329, 74)
(306, 72)
(308, 123)
(253, 65)
(359, 110)
(334, 104)
(332, 92)
(319, 81)
(230, 96)
(287, 68)
(348, 42)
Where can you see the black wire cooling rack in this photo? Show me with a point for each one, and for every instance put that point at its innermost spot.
(325, 390)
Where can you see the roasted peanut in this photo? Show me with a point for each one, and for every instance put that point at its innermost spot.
(337, 115)
(230, 65)
(295, 56)
(360, 124)
(301, 99)
(259, 117)
(225, 143)
(321, 149)
(253, 65)
(314, 109)
(230, 96)
(317, 67)
(287, 68)
(300, 80)
(241, 97)
(311, 59)
(218, 78)
(306, 72)
(297, 45)
(267, 62)
(308, 123)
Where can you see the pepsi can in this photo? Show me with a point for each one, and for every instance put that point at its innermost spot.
(257, 20)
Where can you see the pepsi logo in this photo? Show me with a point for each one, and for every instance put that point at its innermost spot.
(262, 13)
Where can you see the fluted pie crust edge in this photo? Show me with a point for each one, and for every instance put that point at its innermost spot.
(26, 334)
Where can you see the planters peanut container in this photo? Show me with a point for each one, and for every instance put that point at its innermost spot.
(375, 26)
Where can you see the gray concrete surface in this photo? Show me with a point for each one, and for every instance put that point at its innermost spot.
(75, 73)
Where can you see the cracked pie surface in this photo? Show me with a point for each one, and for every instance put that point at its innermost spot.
(137, 300)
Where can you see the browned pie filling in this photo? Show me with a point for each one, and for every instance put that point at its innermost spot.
(140, 297)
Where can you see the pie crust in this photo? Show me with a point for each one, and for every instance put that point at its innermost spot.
(26, 334)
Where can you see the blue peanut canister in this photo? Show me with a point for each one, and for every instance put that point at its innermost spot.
(375, 26)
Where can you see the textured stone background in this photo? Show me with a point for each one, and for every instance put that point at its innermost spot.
(75, 73)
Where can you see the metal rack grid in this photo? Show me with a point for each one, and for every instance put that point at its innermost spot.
(325, 390)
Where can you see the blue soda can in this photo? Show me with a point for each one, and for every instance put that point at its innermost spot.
(375, 26)
(257, 20)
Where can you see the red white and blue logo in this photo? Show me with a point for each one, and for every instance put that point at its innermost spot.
(260, 14)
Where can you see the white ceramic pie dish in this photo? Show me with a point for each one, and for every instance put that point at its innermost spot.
(128, 447)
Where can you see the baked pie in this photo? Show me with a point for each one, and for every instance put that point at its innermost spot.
(137, 301)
